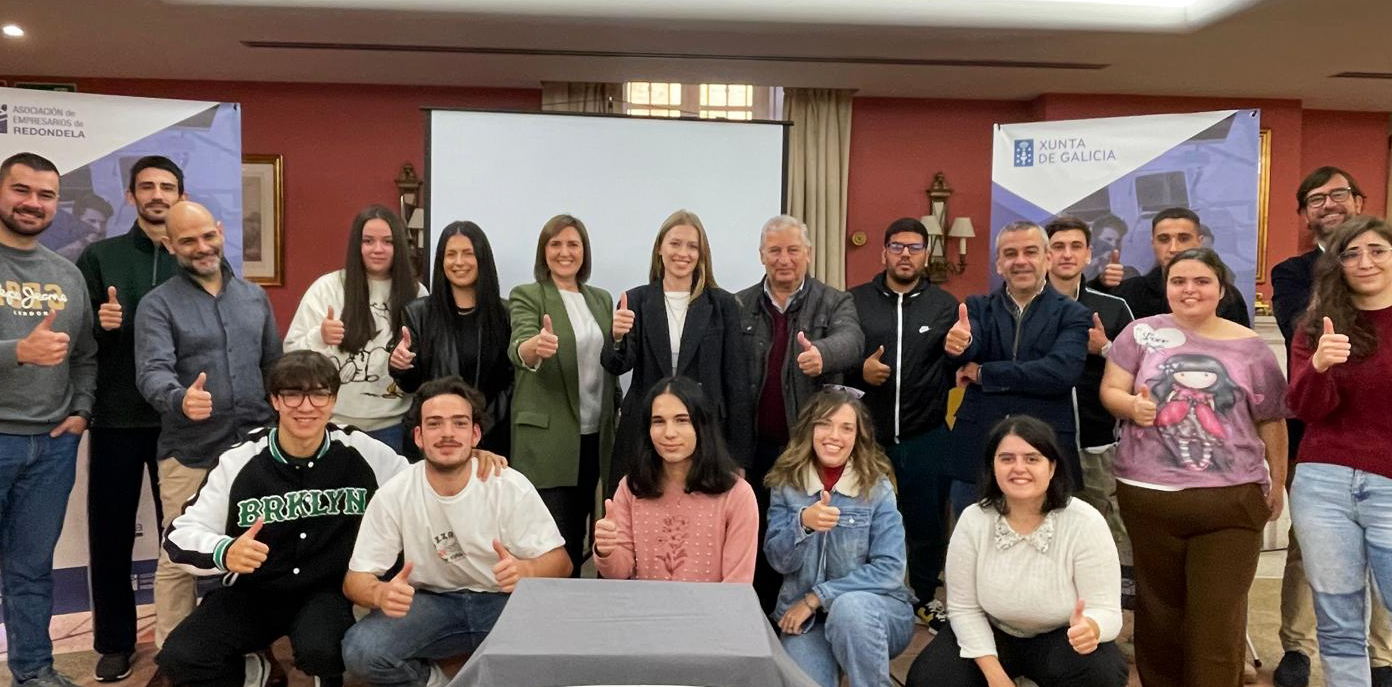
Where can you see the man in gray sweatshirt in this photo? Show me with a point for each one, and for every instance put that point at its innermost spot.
(48, 377)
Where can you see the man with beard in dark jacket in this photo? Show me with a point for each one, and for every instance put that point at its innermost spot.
(906, 377)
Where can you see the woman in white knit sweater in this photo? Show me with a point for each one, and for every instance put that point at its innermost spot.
(1033, 580)
(350, 315)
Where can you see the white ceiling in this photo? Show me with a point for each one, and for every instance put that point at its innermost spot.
(1267, 49)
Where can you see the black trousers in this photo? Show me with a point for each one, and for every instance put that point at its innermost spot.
(120, 459)
(918, 463)
(767, 581)
(572, 507)
(1047, 659)
(207, 649)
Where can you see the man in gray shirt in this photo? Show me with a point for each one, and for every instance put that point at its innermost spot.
(203, 341)
(48, 373)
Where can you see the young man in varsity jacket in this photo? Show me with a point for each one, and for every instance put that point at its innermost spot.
(277, 517)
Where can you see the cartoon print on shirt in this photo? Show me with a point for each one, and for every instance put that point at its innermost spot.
(1194, 393)
(357, 368)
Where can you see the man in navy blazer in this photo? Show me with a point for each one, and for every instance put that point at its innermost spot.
(1327, 198)
(1022, 349)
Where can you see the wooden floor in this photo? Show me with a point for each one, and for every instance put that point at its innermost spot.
(74, 656)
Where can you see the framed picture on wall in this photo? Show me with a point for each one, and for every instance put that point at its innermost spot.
(263, 219)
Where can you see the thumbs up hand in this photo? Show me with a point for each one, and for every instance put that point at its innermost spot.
(509, 569)
(1333, 349)
(394, 596)
(821, 516)
(331, 329)
(1143, 408)
(1114, 271)
(544, 344)
(109, 313)
(1097, 336)
(606, 531)
(246, 554)
(1083, 632)
(960, 335)
(43, 346)
(198, 402)
(810, 359)
(873, 371)
(402, 358)
(623, 319)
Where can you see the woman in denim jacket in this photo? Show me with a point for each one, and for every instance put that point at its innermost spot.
(835, 534)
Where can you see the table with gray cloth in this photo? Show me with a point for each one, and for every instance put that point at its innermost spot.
(560, 632)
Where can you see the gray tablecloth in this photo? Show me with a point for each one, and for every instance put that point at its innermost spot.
(555, 633)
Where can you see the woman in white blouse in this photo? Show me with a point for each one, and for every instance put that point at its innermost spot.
(1033, 580)
(563, 399)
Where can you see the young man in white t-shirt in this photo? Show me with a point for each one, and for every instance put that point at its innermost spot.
(466, 544)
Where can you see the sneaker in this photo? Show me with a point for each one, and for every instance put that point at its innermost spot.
(257, 670)
(113, 667)
(1382, 676)
(48, 677)
(1292, 671)
(932, 614)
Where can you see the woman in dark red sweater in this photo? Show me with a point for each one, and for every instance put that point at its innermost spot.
(1341, 498)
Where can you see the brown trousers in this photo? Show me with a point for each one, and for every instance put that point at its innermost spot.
(1195, 557)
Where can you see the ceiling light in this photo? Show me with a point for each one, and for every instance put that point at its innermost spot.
(12, 31)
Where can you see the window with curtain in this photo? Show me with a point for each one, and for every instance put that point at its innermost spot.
(705, 100)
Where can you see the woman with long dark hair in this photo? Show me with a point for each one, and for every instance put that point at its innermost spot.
(351, 315)
(1033, 579)
(460, 329)
(683, 512)
(1199, 469)
(563, 400)
(1341, 497)
(835, 534)
(681, 323)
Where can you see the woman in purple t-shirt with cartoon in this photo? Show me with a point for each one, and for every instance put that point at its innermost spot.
(1203, 441)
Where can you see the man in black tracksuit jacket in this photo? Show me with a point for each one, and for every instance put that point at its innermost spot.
(906, 377)
(278, 517)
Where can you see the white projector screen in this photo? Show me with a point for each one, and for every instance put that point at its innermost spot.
(509, 172)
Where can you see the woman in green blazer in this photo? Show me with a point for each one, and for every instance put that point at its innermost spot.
(563, 399)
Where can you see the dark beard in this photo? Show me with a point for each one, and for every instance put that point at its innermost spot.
(22, 231)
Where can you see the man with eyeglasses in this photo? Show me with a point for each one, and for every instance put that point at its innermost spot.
(906, 377)
(204, 339)
(277, 518)
(1326, 198)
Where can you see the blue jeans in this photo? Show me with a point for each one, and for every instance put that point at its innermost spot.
(36, 474)
(1343, 520)
(392, 436)
(395, 651)
(861, 633)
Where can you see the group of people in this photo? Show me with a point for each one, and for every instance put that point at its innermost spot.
(417, 454)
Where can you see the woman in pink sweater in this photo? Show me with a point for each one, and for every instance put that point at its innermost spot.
(683, 513)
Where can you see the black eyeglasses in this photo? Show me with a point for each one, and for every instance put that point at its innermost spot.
(1337, 195)
(317, 398)
(1378, 254)
(913, 248)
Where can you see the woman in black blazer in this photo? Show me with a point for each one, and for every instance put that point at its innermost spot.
(680, 323)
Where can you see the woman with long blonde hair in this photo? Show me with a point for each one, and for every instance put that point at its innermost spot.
(680, 324)
(835, 534)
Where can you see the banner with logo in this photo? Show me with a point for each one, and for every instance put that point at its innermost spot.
(94, 140)
(1117, 173)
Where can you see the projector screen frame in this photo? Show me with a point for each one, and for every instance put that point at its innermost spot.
(427, 240)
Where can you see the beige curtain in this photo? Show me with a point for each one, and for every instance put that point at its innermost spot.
(577, 96)
(819, 148)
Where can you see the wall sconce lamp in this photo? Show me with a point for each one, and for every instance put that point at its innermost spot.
(408, 189)
(939, 267)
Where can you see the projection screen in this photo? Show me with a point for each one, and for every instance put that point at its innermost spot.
(622, 176)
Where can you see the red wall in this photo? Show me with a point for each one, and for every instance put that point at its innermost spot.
(343, 144)
(897, 145)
